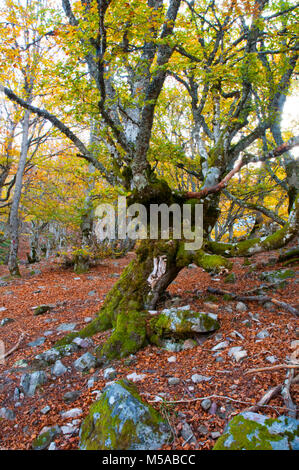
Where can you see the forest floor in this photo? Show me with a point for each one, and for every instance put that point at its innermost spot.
(79, 297)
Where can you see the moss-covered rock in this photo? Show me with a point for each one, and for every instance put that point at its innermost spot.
(183, 322)
(252, 431)
(41, 309)
(44, 439)
(277, 276)
(120, 420)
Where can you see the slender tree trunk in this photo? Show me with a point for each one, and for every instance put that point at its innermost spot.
(14, 211)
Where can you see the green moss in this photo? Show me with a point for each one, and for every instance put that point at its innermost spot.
(246, 434)
(44, 440)
(211, 263)
(230, 278)
(104, 430)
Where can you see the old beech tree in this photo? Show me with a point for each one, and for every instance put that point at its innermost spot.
(235, 60)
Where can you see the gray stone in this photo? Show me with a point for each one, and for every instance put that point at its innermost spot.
(271, 359)
(69, 429)
(252, 431)
(139, 426)
(92, 293)
(221, 345)
(66, 327)
(241, 307)
(5, 321)
(109, 373)
(85, 362)
(197, 378)
(69, 397)
(73, 413)
(30, 382)
(206, 404)
(173, 381)
(277, 276)
(187, 433)
(59, 369)
(6, 413)
(263, 334)
(202, 430)
(45, 410)
(83, 343)
(47, 357)
(215, 435)
(37, 342)
(237, 353)
(189, 344)
(171, 359)
(136, 377)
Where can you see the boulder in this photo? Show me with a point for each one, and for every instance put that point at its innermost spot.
(85, 362)
(252, 431)
(277, 276)
(45, 438)
(120, 420)
(183, 322)
(30, 382)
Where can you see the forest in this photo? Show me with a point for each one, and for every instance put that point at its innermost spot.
(149, 216)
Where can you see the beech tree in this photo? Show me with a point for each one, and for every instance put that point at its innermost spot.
(235, 60)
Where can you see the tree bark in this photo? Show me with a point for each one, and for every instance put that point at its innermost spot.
(14, 211)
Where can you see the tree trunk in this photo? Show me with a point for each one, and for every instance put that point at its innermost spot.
(14, 211)
(138, 290)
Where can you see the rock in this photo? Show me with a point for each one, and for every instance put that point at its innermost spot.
(271, 359)
(6, 413)
(206, 404)
(69, 429)
(83, 343)
(5, 321)
(66, 327)
(120, 420)
(45, 438)
(252, 431)
(52, 446)
(172, 346)
(187, 433)
(41, 309)
(241, 307)
(136, 377)
(237, 353)
(221, 345)
(173, 381)
(189, 344)
(59, 369)
(37, 342)
(45, 410)
(215, 435)
(171, 359)
(109, 373)
(69, 397)
(2, 309)
(263, 334)
(277, 276)
(202, 430)
(73, 413)
(183, 322)
(21, 363)
(92, 293)
(85, 362)
(87, 319)
(47, 357)
(30, 382)
(16, 394)
(197, 378)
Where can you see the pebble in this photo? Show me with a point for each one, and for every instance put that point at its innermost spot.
(197, 378)
(173, 381)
